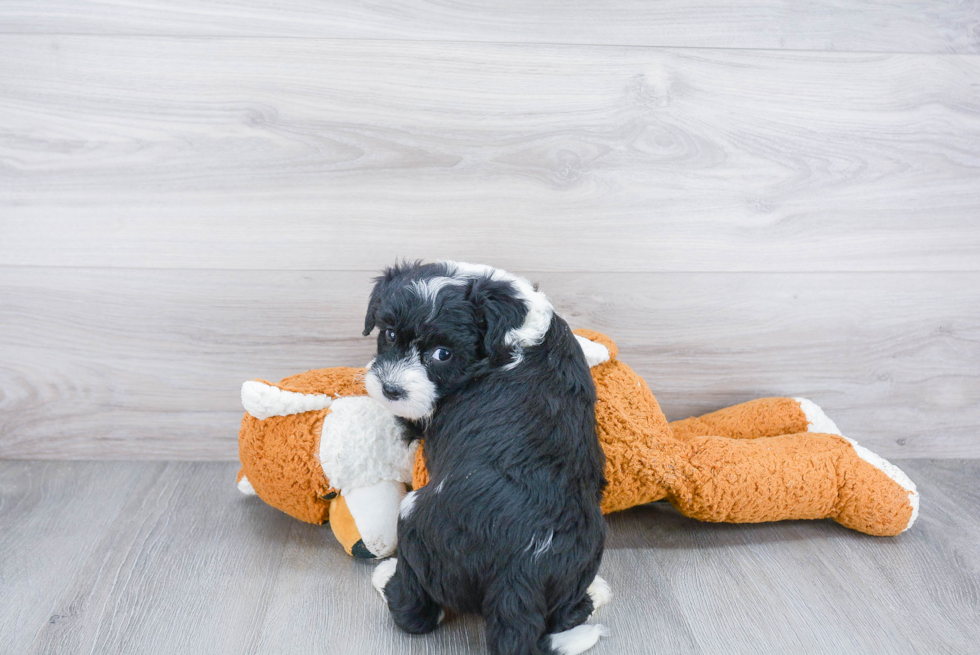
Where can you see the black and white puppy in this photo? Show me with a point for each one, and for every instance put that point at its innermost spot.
(509, 525)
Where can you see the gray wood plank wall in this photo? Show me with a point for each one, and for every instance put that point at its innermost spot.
(910, 26)
(752, 201)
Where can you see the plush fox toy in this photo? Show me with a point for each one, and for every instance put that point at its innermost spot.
(320, 449)
(317, 447)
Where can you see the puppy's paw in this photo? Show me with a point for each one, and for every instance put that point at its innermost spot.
(382, 574)
(579, 639)
(600, 593)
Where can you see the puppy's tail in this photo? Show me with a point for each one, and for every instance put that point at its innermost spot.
(577, 640)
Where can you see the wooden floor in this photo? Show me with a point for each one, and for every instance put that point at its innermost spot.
(155, 557)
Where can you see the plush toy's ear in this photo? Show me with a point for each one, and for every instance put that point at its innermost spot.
(501, 310)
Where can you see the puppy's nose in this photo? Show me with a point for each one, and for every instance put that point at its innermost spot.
(392, 392)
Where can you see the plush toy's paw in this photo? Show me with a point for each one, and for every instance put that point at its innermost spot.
(246, 487)
(819, 422)
(600, 593)
(263, 400)
(595, 352)
(597, 339)
(579, 639)
(374, 510)
(817, 419)
(382, 574)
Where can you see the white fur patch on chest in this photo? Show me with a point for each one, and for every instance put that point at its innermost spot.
(362, 443)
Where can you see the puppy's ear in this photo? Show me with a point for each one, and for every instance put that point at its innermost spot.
(381, 285)
(500, 310)
(373, 303)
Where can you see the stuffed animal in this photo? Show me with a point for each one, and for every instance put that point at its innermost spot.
(770, 459)
(317, 447)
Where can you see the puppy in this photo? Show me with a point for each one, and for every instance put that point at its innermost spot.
(509, 525)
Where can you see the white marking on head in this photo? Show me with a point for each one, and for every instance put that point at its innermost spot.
(440, 486)
(518, 358)
(407, 374)
(428, 290)
(537, 320)
(818, 421)
(407, 505)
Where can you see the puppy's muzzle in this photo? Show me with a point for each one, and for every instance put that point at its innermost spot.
(392, 391)
(402, 386)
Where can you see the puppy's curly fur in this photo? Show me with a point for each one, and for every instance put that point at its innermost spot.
(509, 525)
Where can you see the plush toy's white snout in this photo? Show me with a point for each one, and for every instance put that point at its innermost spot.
(364, 453)
(375, 511)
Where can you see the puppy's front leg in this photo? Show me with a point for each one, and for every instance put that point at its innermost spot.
(412, 608)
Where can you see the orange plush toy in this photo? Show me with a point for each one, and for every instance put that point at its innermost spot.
(770, 459)
(318, 448)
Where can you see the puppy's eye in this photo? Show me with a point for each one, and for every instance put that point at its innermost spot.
(390, 335)
(441, 355)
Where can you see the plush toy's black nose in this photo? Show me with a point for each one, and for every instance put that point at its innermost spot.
(392, 392)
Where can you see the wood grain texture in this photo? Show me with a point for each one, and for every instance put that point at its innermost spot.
(171, 558)
(110, 363)
(309, 154)
(803, 587)
(917, 26)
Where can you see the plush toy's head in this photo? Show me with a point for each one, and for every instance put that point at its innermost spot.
(318, 448)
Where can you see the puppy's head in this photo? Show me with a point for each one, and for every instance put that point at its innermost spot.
(441, 324)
